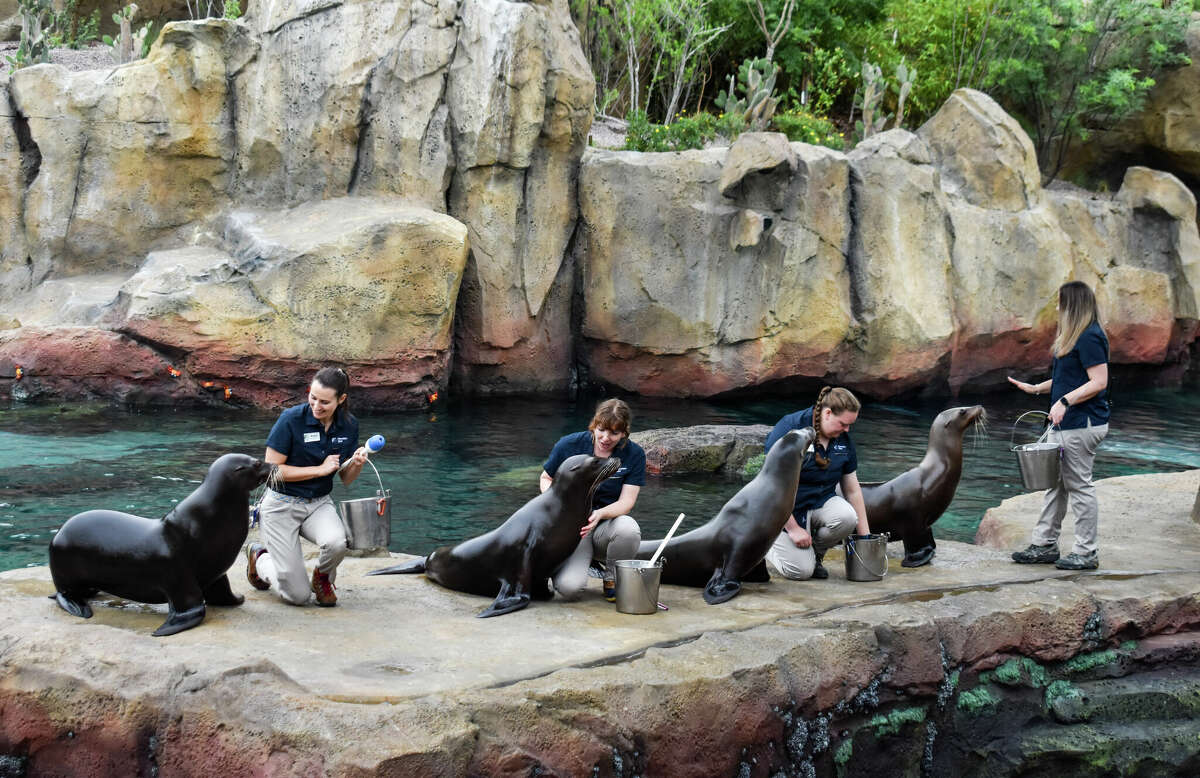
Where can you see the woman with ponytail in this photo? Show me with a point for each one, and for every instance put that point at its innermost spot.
(309, 443)
(1078, 389)
(821, 518)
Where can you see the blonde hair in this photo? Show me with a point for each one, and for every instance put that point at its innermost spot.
(1076, 312)
(612, 415)
(838, 401)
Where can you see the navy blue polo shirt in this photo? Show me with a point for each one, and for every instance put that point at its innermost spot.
(816, 485)
(632, 470)
(1069, 372)
(303, 440)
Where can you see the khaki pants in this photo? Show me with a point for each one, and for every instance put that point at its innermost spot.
(283, 520)
(612, 539)
(1074, 488)
(829, 525)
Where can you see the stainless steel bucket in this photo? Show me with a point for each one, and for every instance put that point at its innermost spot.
(866, 557)
(368, 521)
(637, 585)
(1039, 461)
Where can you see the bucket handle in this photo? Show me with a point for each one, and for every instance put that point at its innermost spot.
(850, 550)
(1041, 438)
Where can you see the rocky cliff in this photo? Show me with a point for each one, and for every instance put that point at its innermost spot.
(403, 188)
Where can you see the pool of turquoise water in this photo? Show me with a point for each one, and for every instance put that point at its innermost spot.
(460, 469)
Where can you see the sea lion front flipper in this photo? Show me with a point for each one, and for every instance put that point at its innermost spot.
(73, 606)
(919, 549)
(758, 573)
(720, 589)
(411, 566)
(219, 593)
(179, 621)
(508, 600)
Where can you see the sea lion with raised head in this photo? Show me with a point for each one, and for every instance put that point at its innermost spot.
(907, 506)
(180, 559)
(730, 548)
(515, 561)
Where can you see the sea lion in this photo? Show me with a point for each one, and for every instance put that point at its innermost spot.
(730, 548)
(907, 506)
(179, 559)
(514, 561)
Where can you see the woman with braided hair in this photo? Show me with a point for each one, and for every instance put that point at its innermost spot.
(821, 518)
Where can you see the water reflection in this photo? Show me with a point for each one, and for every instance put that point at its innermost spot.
(463, 468)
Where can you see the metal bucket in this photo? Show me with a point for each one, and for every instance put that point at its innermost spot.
(637, 585)
(1039, 461)
(866, 557)
(368, 521)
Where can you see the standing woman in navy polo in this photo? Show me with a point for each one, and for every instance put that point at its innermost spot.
(610, 533)
(821, 518)
(1078, 389)
(308, 443)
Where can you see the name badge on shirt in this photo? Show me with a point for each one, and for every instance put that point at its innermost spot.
(312, 437)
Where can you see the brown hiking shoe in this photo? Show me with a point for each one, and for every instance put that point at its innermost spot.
(253, 552)
(323, 588)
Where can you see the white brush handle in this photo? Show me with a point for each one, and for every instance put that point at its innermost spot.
(663, 545)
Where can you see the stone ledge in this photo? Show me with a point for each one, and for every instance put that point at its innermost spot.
(401, 678)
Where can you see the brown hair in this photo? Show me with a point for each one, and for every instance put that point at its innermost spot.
(1076, 312)
(837, 400)
(336, 379)
(612, 415)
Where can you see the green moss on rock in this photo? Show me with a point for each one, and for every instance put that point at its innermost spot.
(753, 465)
(890, 723)
(844, 751)
(1085, 662)
(978, 700)
(1020, 671)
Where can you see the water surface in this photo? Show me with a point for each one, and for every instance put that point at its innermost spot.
(460, 469)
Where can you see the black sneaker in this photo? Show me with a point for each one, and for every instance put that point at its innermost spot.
(819, 571)
(1036, 555)
(1074, 561)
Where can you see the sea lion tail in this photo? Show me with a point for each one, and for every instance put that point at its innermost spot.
(411, 566)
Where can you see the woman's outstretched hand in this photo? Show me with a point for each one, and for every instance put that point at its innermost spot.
(1024, 387)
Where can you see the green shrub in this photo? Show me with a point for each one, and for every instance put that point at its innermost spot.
(233, 9)
(802, 126)
(686, 132)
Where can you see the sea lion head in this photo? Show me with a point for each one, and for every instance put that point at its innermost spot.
(790, 448)
(239, 472)
(951, 423)
(583, 472)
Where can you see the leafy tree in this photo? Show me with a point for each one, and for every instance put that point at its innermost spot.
(1067, 66)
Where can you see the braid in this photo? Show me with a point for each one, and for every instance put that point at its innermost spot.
(818, 406)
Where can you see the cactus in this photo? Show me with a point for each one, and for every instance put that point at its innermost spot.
(756, 81)
(128, 44)
(36, 28)
(904, 81)
(873, 89)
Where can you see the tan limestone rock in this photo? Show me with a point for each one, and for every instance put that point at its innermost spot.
(982, 153)
(1172, 248)
(672, 309)
(130, 158)
(357, 281)
(1170, 119)
(761, 153)
(901, 259)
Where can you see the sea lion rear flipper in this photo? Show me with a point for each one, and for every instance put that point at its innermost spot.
(179, 621)
(506, 601)
(72, 606)
(219, 593)
(411, 566)
(720, 589)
